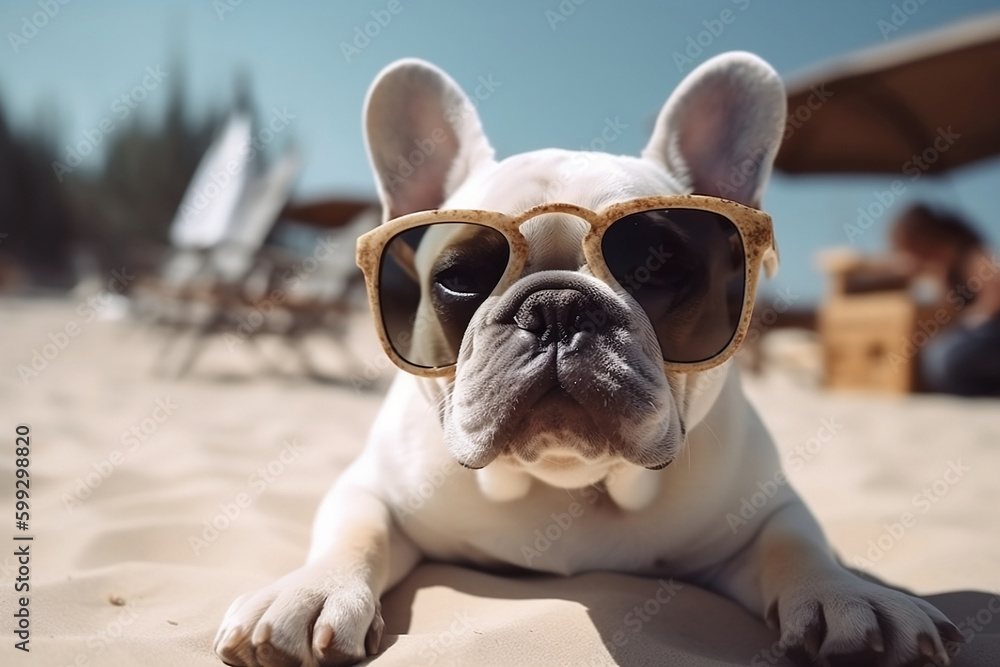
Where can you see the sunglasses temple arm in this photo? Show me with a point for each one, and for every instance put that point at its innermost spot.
(770, 260)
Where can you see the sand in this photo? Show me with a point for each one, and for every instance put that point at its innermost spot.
(130, 470)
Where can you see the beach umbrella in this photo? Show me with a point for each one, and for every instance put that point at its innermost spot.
(919, 105)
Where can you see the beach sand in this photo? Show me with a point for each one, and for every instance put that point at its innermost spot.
(129, 472)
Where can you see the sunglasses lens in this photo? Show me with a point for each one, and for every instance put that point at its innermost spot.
(685, 267)
(432, 279)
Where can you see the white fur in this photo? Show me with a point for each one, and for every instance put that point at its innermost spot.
(369, 532)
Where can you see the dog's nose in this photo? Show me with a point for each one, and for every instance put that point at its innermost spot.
(557, 315)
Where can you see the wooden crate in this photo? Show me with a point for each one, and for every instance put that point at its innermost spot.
(868, 342)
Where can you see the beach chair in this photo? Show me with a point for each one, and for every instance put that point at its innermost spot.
(326, 286)
(224, 217)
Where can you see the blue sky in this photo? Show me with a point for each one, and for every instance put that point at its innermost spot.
(558, 81)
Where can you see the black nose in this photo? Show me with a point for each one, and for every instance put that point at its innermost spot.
(557, 315)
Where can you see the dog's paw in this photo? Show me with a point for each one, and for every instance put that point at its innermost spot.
(853, 622)
(305, 619)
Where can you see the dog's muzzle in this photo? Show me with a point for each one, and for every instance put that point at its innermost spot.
(561, 308)
(559, 355)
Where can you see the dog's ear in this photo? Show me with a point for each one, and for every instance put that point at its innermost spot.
(721, 128)
(423, 134)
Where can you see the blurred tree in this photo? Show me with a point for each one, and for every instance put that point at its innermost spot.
(35, 226)
(125, 209)
(117, 214)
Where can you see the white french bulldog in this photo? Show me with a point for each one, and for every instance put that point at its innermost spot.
(610, 432)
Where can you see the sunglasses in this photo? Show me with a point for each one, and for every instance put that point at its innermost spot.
(691, 262)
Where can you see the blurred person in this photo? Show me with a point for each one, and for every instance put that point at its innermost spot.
(953, 258)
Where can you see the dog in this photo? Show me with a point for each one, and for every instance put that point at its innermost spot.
(534, 372)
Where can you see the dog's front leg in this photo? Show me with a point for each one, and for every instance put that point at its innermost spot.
(327, 612)
(789, 575)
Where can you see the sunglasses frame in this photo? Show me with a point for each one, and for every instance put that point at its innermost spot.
(754, 227)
